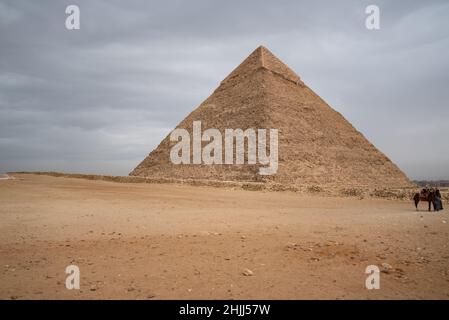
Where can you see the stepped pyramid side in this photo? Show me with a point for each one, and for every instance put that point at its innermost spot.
(317, 146)
(236, 103)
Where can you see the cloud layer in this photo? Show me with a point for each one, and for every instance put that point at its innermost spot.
(99, 99)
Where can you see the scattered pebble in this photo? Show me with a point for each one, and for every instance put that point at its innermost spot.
(247, 272)
(291, 245)
(386, 268)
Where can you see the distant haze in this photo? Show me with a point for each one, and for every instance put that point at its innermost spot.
(99, 99)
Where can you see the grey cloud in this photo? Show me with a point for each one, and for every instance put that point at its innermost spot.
(99, 99)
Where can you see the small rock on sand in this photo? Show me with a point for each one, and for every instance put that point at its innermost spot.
(386, 268)
(291, 245)
(247, 272)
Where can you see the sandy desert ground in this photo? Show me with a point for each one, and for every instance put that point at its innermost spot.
(162, 241)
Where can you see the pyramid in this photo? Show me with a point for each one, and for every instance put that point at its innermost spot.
(317, 145)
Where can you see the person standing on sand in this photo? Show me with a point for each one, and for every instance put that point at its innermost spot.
(438, 204)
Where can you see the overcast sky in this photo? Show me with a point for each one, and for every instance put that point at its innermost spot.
(99, 99)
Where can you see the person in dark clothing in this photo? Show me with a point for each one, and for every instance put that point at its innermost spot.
(438, 204)
(425, 191)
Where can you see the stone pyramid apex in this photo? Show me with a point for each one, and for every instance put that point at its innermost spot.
(262, 58)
